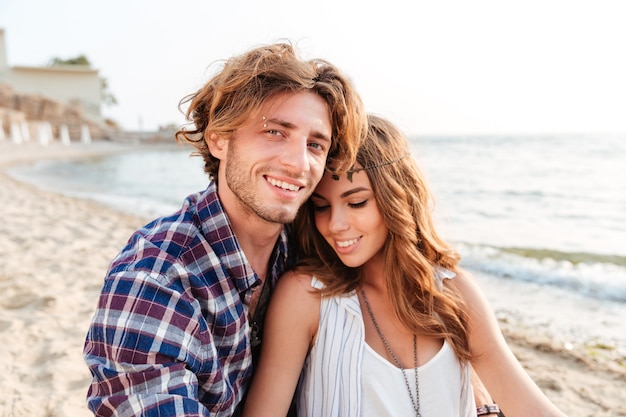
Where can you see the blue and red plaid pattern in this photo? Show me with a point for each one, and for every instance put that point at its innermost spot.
(170, 335)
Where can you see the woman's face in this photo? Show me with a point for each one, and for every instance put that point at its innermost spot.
(347, 216)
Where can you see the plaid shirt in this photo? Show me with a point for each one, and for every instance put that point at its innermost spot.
(170, 335)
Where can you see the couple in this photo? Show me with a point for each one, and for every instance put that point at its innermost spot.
(374, 317)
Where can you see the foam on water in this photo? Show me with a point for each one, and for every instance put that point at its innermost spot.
(586, 274)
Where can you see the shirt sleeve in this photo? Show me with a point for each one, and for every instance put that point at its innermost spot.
(144, 349)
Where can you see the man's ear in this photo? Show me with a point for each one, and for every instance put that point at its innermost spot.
(218, 146)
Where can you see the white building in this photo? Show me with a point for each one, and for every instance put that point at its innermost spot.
(68, 84)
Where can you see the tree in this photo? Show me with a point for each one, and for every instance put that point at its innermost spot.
(79, 60)
(107, 97)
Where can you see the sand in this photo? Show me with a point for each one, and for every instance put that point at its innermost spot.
(54, 251)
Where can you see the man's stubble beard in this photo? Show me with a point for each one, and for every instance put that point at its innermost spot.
(237, 180)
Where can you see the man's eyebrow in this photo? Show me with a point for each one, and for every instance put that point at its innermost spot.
(288, 125)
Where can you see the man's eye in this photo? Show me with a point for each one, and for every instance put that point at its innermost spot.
(317, 146)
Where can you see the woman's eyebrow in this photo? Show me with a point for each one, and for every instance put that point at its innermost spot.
(344, 194)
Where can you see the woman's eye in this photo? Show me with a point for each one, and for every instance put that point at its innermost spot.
(320, 208)
(359, 204)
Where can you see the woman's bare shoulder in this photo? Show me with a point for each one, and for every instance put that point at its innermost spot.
(295, 303)
(294, 283)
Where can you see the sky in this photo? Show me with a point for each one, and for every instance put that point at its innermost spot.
(433, 67)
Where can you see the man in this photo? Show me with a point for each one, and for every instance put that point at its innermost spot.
(181, 309)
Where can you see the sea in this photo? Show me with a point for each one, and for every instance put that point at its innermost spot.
(540, 220)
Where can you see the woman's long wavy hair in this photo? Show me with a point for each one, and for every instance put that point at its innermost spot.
(246, 81)
(413, 249)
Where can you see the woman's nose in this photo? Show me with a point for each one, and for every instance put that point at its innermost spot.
(338, 221)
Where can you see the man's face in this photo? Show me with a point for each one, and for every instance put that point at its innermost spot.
(275, 160)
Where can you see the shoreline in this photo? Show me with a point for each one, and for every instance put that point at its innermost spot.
(54, 253)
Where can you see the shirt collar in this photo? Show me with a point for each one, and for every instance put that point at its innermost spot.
(219, 233)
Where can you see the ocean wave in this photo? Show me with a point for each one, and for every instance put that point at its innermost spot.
(589, 274)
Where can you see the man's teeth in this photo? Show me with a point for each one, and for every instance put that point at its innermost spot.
(282, 184)
(346, 243)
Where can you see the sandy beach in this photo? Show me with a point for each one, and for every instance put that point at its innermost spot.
(54, 251)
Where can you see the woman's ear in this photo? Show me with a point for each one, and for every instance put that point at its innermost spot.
(218, 146)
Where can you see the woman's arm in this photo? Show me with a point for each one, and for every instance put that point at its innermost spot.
(290, 326)
(503, 375)
(481, 395)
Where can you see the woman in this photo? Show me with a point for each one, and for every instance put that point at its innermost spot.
(377, 319)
